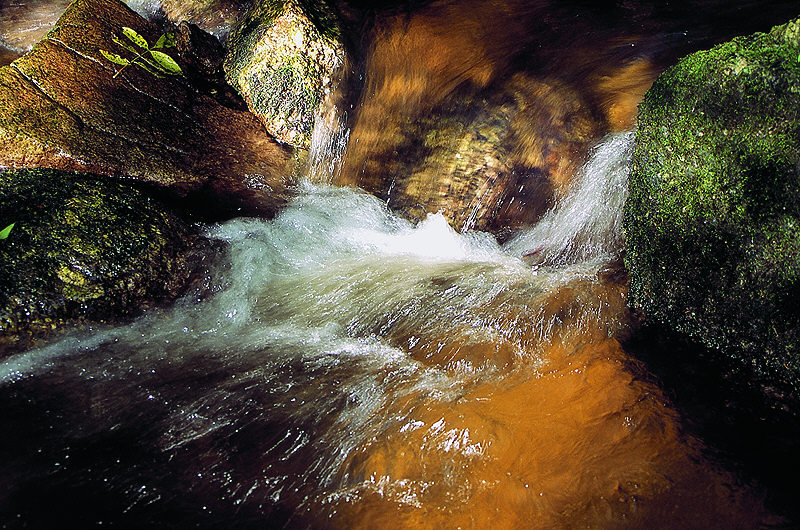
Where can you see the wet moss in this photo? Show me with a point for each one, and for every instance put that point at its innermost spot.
(83, 248)
(713, 217)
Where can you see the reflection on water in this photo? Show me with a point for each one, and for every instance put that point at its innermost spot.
(353, 370)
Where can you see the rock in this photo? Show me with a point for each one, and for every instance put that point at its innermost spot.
(23, 24)
(713, 217)
(283, 66)
(483, 111)
(61, 107)
(214, 16)
(491, 161)
(85, 248)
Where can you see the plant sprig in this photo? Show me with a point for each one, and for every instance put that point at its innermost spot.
(147, 57)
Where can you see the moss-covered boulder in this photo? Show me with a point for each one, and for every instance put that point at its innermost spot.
(283, 65)
(84, 248)
(713, 217)
(64, 105)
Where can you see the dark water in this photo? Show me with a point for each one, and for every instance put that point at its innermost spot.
(350, 369)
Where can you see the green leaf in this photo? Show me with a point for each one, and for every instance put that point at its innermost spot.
(114, 58)
(169, 40)
(135, 37)
(150, 67)
(166, 40)
(125, 45)
(166, 62)
(6, 231)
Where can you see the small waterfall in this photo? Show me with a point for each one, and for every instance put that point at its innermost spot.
(328, 144)
(587, 222)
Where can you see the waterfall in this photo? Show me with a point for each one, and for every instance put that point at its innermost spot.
(587, 222)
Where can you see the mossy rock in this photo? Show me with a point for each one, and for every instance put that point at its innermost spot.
(284, 65)
(84, 248)
(713, 218)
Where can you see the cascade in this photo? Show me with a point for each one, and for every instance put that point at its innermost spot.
(345, 366)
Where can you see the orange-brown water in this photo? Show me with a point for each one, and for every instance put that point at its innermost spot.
(580, 442)
(352, 370)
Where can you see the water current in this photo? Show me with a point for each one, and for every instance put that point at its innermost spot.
(342, 367)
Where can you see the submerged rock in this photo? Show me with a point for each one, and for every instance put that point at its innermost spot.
(713, 217)
(492, 161)
(62, 107)
(214, 16)
(84, 248)
(283, 66)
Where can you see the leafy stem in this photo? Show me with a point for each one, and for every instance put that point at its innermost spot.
(147, 57)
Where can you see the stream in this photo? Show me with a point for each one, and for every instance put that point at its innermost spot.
(339, 366)
(345, 368)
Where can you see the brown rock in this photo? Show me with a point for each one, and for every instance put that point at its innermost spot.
(61, 107)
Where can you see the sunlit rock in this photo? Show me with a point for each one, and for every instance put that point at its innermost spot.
(284, 66)
(713, 218)
(82, 249)
(61, 107)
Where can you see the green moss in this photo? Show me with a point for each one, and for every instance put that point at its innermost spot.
(83, 248)
(714, 210)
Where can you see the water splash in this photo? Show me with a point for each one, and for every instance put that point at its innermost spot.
(587, 222)
(328, 145)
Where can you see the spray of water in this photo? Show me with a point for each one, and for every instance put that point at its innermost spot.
(587, 222)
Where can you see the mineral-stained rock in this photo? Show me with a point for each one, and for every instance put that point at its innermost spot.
(62, 107)
(713, 217)
(478, 159)
(481, 111)
(283, 66)
(84, 248)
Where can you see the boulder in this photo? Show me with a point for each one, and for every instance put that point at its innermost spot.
(713, 217)
(493, 160)
(84, 248)
(283, 66)
(62, 107)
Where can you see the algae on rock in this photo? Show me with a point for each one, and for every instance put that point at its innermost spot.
(283, 66)
(84, 248)
(713, 217)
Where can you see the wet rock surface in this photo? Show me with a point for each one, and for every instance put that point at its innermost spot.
(283, 66)
(61, 107)
(84, 249)
(713, 218)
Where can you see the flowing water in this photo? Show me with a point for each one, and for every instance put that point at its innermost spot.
(341, 367)
(345, 368)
